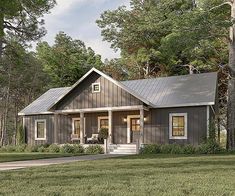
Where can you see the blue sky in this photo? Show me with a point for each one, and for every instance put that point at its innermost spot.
(77, 19)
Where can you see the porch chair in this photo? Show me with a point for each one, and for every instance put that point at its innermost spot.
(93, 139)
(74, 137)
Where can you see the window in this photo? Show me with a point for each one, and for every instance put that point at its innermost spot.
(95, 87)
(76, 126)
(178, 126)
(40, 130)
(135, 124)
(103, 122)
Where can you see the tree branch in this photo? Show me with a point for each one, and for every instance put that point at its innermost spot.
(222, 4)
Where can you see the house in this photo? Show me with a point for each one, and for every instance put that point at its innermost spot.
(177, 109)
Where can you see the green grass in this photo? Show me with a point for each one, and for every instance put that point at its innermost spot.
(133, 175)
(5, 157)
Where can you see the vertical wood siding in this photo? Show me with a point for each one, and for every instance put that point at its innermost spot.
(110, 95)
(156, 127)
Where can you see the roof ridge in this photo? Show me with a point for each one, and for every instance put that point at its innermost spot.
(164, 77)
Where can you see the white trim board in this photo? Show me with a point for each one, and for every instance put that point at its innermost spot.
(103, 109)
(73, 119)
(129, 117)
(185, 126)
(45, 129)
(101, 118)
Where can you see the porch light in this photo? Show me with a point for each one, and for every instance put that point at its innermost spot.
(145, 119)
(125, 119)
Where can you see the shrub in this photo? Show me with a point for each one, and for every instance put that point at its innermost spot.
(103, 133)
(166, 148)
(10, 148)
(94, 149)
(209, 147)
(41, 149)
(188, 149)
(176, 149)
(54, 148)
(67, 148)
(150, 149)
(20, 135)
(31, 148)
(20, 148)
(78, 148)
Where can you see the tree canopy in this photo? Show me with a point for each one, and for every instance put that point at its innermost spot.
(67, 60)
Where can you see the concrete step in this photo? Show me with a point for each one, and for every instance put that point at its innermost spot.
(122, 149)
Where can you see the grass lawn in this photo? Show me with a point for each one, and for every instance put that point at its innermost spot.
(132, 175)
(4, 157)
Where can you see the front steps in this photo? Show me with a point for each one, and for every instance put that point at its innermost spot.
(122, 149)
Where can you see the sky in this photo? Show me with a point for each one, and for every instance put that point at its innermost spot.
(77, 19)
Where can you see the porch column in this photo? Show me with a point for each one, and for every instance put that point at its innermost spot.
(81, 128)
(141, 126)
(110, 126)
(56, 128)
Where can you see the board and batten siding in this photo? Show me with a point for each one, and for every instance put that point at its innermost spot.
(29, 124)
(110, 95)
(156, 128)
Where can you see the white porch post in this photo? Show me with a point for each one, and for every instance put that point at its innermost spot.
(110, 136)
(81, 128)
(141, 126)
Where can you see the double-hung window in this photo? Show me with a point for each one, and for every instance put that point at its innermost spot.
(40, 129)
(178, 126)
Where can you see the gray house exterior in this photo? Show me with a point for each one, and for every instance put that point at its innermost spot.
(176, 109)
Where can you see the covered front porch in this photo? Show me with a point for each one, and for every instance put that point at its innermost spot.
(125, 124)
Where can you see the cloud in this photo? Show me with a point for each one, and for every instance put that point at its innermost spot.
(77, 19)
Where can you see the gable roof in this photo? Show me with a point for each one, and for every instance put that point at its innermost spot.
(41, 105)
(186, 90)
(119, 84)
(174, 91)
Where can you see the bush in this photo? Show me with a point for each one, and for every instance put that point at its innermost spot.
(42, 149)
(166, 148)
(54, 148)
(67, 148)
(188, 149)
(94, 149)
(20, 148)
(31, 148)
(209, 147)
(8, 148)
(20, 135)
(103, 133)
(150, 149)
(78, 149)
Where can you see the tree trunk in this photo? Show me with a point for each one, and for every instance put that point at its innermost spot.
(218, 129)
(231, 85)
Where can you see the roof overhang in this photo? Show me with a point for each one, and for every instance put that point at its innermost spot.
(185, 105)
(108, 78)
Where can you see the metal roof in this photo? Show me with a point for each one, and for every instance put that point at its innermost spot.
(175, 91)
(42, 104)
(186, 90)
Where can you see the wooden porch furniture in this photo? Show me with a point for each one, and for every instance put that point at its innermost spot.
(93, 139)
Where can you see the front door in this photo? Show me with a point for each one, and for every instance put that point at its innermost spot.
(134, 129)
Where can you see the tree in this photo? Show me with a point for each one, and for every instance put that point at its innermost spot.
(67, 60)
(22, 19)
(21, 81)
(165, 37)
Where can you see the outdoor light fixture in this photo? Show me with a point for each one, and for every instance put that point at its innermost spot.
(125, 119)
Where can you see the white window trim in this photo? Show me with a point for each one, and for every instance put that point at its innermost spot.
(185, 126)
(73, 119)
(129, 117)
(101, 118)
(45, 129)
(93, 84)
